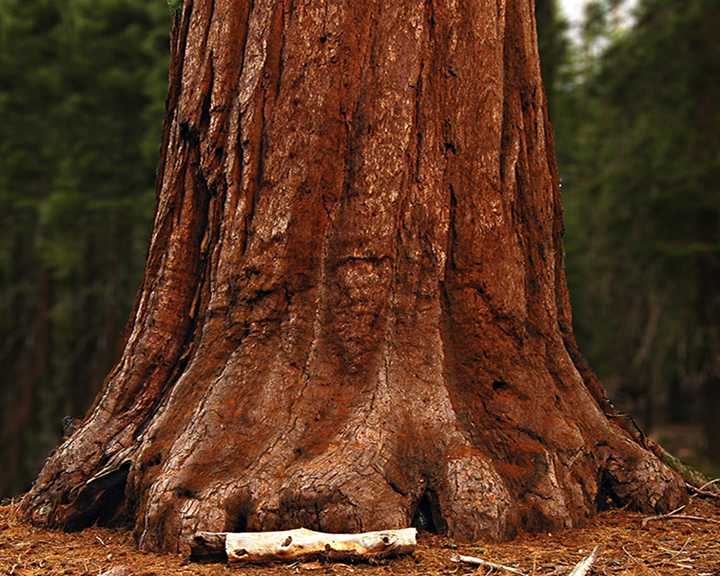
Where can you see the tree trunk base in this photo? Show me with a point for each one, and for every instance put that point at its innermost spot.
(354, 314)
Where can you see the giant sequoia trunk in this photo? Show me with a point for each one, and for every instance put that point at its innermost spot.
(354, 313)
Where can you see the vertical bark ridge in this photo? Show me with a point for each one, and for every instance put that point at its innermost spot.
(222, 154)
(552, 496)
(177, 53)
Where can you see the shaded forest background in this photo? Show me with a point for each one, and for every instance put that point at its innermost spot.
(635, 108)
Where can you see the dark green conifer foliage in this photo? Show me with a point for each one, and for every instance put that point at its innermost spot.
(553, 47)
(640, 163)
(81, 100)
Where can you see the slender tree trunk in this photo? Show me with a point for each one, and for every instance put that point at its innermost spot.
(32, 369)
(13, 363)
(354, 305)
(709, 236)
(709, 316)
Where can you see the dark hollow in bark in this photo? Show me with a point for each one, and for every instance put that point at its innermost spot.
(354, 314)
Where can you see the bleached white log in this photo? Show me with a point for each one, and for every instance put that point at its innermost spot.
(288, 545)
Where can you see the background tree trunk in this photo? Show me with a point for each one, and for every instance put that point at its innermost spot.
(708, 227)
(354, 310)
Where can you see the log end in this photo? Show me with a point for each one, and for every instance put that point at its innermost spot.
(208, 547)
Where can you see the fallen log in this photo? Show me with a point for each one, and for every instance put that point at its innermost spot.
(291, 545)
(208, 547)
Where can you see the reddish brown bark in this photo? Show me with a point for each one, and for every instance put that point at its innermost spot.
(354, 304)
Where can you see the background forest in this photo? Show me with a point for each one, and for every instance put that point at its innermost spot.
(635, 107)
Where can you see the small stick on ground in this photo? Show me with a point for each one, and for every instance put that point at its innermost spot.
(709, 483)
(700, 492)
(663, 516)
(485, 563)
(678, 517)
(641, 564)
(673, 553)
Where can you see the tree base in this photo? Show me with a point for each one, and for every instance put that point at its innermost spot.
(387, 469)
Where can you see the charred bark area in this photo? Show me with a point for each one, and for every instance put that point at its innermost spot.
(354, 314)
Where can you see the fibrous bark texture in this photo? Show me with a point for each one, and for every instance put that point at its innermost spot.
(354, 315)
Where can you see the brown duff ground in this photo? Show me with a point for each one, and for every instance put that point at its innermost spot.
(663, 547)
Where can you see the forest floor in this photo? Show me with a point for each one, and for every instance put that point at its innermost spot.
(628, 546)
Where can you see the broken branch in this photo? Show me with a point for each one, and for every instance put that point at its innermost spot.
(485, 563)
(701, 492)
(712, 482)
(672, 516)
